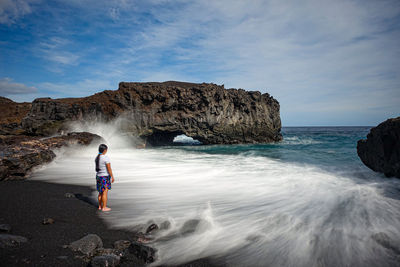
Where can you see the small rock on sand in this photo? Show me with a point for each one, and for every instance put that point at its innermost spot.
(69, 195)
(7, 240)
(87, 244)
(5, 228)
(48, 221)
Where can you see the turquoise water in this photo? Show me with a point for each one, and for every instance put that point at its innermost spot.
(326, 147)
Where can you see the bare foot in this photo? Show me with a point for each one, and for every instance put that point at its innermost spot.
(99, 208)
(106, 209)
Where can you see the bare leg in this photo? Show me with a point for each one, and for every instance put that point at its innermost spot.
(104, 200)
(100, 201)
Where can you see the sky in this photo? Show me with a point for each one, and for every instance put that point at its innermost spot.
(328, 63)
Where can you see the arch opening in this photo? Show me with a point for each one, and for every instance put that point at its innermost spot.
(183, 139)
(166, 138)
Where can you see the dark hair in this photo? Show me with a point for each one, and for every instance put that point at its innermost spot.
(102, 147)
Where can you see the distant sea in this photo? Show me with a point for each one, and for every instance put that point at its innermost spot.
(306, 201)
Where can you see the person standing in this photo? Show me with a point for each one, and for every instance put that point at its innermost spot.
(104, 177)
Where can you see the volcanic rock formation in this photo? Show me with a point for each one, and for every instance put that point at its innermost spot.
(11, 116)
(157, 112)
(20, 154)
(381, 150)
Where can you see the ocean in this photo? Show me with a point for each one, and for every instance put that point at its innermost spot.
(306, 201)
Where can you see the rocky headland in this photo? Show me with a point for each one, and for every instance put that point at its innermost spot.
(153, 112)
(157, 112)
(381, 150)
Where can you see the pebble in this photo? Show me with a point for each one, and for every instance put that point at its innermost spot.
(5, 228)
(48, 221)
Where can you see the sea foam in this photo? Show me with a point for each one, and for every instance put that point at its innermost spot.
(240, 209)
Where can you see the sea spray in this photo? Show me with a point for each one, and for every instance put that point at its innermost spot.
(305, 203)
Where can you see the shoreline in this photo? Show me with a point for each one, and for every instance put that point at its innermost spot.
(26, 203)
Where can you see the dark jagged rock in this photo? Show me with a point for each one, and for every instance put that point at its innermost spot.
(109, 260)
(20, 154)
(87, 244)
(158, 112)
(12, 114)
(381, 150)
(5, 227)
(122, 244)
(143, 252)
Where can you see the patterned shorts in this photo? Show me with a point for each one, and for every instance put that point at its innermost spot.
(103, 182)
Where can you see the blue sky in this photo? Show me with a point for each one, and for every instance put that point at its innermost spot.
(326, 62)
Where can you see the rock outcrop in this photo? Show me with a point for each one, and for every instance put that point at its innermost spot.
(12, 114)
(381, 150)
(157, 112)
(20, 154)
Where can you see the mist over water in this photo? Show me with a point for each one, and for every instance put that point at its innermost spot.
(307, 201)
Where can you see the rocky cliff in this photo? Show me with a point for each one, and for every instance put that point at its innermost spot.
(12, 114)
(19, 154)
(158, 112)
(381, 150)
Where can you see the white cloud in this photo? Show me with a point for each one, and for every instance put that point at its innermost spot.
(55, 49)
(12, 10)
(343, 54)
(8, 87)
(332, 58)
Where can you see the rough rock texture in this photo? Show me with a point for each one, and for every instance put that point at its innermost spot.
(7, 240)
(158, 112)
(110, 260)
(87, 244)
(12, 114)
(20, 154)
(381, 150)
(143, 252)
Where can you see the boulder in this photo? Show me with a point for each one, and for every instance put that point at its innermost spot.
(143, 252)
(87, 244)
(381, 150)
(157, 112)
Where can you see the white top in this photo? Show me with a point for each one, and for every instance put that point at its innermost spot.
(102, 165)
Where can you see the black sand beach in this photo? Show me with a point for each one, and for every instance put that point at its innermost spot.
(24, 206)
(26, 203)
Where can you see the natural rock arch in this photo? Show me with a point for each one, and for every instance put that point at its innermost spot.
(158, 112)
